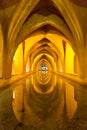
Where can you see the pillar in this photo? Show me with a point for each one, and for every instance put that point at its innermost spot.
(1, 50)
(76, 65)
(83, 63)
(7, 64)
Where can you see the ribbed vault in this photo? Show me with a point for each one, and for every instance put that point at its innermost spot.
(49, 19)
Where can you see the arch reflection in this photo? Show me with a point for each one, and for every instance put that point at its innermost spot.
(44, 106)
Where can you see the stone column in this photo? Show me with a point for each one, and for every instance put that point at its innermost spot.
(64, 48)
(1, 50)
(7, 67)
(7, 63)
(76, 65)
(83, 63)
(24, 65)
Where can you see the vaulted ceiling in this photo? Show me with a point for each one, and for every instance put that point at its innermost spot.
(66, 18)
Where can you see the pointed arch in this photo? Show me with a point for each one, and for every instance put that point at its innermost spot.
(38, 20)
(22, 11)
(70, 17)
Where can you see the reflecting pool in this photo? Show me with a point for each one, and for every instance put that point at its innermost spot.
(43, 101)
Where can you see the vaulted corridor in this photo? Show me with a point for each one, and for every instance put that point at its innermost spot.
(39, 32)
(44, 42)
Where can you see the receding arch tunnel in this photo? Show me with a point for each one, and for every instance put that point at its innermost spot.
(43, 64)
(53, 46)
(51, 20)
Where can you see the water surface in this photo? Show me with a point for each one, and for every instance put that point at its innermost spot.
(43, 101)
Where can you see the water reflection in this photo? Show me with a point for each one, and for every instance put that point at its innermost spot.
(48, 103)
(71, 103)
(43, 83)
(40, 108)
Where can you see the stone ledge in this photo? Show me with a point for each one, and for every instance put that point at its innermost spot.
(74, 78)
(13, 79)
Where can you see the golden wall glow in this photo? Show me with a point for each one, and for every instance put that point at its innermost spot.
(17, 66)
(69, 59)
(1, 51)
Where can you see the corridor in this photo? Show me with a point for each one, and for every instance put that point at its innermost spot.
(43, 101)
(43, 64)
